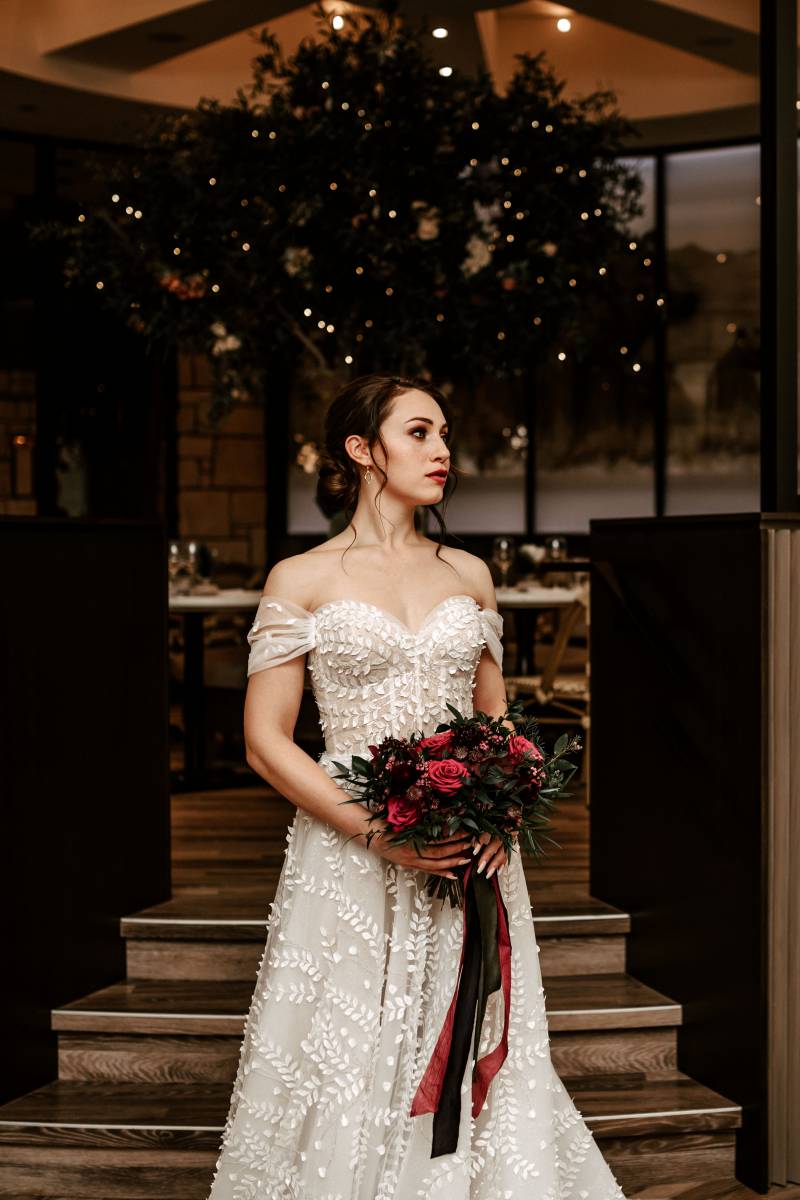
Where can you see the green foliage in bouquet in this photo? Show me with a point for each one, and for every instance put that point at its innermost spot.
(354, 207)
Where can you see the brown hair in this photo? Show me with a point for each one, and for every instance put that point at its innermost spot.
(360, 408)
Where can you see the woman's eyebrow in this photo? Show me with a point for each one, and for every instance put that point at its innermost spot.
(427, 421)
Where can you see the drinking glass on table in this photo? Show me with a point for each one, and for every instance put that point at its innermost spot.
(181, 567)
(175, 564)
(556, 547)
(503, 556)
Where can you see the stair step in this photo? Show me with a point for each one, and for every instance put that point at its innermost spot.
(206, 934)
(240, 914)
(575, 1002)
(97, 1140)
(691, 1190)
(162, 1030)
(182, 1058)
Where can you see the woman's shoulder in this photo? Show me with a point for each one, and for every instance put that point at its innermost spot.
(475, 573)
(296, 578)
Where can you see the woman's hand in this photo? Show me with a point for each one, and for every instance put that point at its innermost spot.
(493, 855)
(437, 858)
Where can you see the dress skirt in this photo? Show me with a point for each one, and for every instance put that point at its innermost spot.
(358, 972)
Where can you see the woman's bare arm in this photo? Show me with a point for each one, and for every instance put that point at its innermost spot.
(489, 692)
(489, 696)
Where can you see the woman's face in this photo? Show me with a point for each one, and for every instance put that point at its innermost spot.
(418, 458)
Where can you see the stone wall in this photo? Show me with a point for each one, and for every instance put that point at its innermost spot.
(221, 471)
(17, 420)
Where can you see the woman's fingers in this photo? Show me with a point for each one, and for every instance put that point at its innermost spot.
(445, 849)
(496, 862)
(442, 856)
(488, 853)
(446, 860)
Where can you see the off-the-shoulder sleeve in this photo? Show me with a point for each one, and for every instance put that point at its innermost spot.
(492, 626)
(281, 630)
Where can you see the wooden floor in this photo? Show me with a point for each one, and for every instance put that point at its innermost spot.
(145, 1066)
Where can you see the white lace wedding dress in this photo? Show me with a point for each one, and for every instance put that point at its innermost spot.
(360, 965)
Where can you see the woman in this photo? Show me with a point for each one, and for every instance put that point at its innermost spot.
(360, 964)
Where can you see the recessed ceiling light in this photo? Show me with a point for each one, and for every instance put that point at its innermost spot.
(563, 24)
(446, 71)
(439, 32)
(337, 22)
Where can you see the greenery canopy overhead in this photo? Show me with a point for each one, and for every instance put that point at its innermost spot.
(356, 206)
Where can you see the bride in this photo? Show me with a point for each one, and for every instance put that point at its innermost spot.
(360, 964)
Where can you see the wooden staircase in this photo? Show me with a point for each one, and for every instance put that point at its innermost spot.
(146, 1065)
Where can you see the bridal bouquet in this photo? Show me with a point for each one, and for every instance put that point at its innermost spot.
(479, 774)
(474, 773)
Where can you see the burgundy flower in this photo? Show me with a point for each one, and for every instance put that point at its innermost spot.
(401, 812)
(403, 774)
(437, 743)
(519, 747)
(447, 775)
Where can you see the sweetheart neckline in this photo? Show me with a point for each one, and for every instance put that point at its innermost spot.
(415, 633)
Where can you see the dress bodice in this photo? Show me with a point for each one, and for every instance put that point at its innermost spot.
(372, 676)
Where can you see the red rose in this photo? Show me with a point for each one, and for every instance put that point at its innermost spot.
(401, 812)
(447, 775)
(519, 747)
(437, 743)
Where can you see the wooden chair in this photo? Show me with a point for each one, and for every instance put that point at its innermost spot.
(561, 698)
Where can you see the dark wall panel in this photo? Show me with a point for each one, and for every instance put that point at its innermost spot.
(83, 765)
(676, 787)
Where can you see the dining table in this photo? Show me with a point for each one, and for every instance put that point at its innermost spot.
(194, 608)
(526, 600)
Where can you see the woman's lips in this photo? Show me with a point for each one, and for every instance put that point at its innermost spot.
(439, 476)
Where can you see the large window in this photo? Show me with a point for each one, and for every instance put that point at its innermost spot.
(594, 427)
(551, 452)
(713, 332)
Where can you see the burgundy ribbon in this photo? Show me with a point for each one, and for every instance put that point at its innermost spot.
(440, 1087)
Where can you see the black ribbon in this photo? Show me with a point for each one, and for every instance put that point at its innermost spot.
(480, 976)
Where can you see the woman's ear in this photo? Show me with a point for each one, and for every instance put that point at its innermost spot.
(358, 450)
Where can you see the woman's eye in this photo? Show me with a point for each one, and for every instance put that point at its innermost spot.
(445, 436)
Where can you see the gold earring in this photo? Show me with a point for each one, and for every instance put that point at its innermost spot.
(368, 476)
